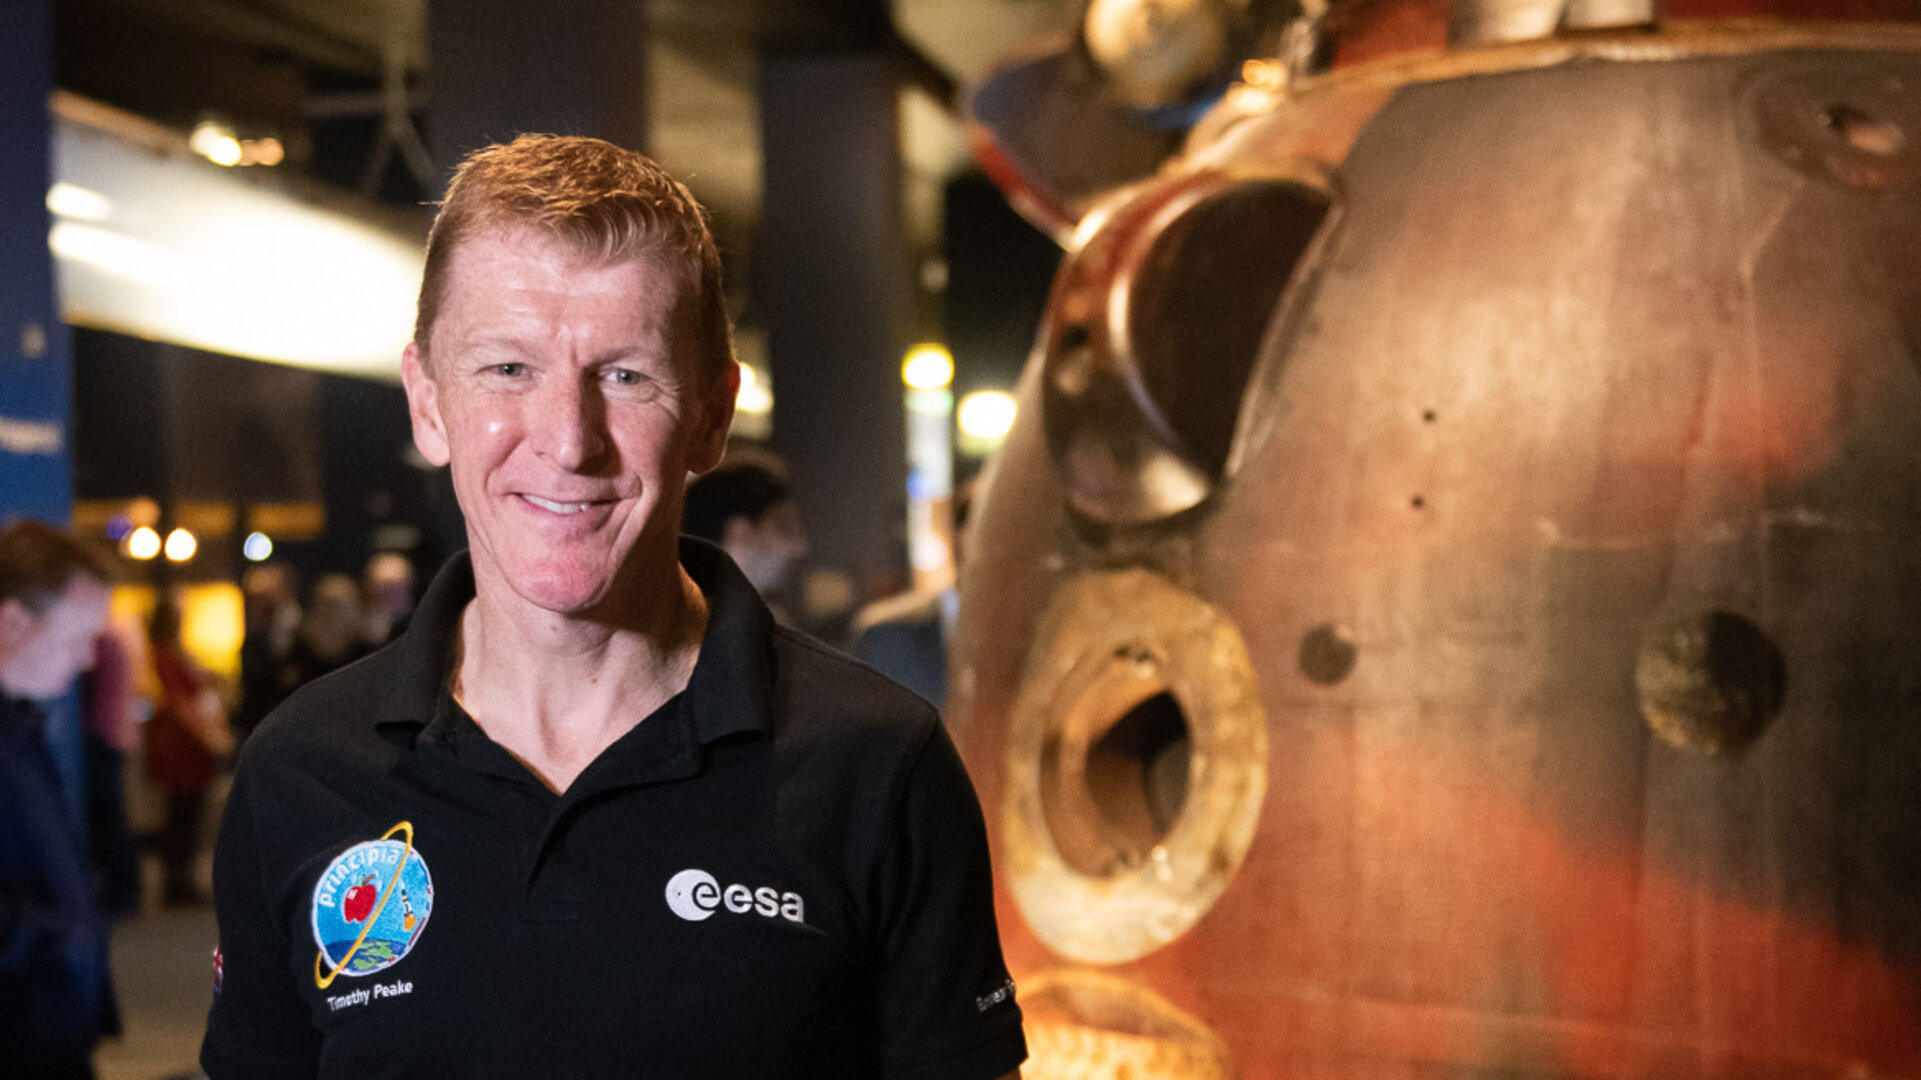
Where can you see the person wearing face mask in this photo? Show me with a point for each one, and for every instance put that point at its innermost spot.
(746, 508)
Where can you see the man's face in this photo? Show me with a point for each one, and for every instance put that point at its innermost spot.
(567, 397)
(40, 653)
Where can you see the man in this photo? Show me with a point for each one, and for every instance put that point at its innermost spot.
(747, 509)
(594, 814)
(56, 1000)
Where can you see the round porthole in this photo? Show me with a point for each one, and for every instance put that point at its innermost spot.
(1136, 766)
(1114, 770)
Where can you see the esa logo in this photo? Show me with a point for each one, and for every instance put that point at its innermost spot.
(694, 895)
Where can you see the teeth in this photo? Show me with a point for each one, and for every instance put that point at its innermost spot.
(556, 507)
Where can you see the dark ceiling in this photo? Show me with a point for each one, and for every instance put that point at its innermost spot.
(310, 72)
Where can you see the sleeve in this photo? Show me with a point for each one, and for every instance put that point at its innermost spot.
(946, 1002)
(259, 1024)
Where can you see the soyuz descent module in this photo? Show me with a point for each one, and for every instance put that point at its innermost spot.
(1451, 606)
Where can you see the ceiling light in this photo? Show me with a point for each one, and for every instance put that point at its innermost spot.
(927, 367)
(181, 545)
(73, 201)
(143, 543)
(215, 142)
(985, 417)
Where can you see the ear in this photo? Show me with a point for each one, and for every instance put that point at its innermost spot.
(423, 407)
(716, 416)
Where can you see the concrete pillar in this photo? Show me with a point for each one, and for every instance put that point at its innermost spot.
(833, 286)
(35, 380)
(505, 67)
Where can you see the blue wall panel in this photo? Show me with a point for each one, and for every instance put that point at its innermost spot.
(35, 477)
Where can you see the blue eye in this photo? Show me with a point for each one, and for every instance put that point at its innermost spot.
(509, 369)
(626, 377)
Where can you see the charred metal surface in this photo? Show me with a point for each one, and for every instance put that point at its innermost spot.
(1634, 318)
(1354, 33)
(1859, 128)
(1147, 355)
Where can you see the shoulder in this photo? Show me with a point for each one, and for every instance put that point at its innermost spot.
(820, 690)
(843, 731)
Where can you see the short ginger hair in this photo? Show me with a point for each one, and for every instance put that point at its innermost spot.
(609, 204)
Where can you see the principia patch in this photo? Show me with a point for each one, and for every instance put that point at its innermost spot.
(370, 906)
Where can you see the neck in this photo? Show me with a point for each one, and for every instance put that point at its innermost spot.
(556, 690)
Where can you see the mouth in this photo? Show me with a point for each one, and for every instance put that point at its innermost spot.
(555, 507)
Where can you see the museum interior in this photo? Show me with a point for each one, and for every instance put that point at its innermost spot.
(1413, 506)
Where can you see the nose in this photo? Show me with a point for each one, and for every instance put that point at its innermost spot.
(570, 429)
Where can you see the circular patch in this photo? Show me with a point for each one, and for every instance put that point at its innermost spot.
(370, 906)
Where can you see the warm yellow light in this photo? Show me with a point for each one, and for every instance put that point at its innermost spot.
(143, 543)
(181, 545)
(215, 142)
(986, 415)
(120, 255)
(927, 367)
(82, 204)
(756, 397)
(199, 257)
(266, 152)
(212, 623)
(1268, 75)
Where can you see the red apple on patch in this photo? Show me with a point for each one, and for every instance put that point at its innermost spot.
(360, 900)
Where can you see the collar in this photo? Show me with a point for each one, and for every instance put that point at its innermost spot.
(730, 691)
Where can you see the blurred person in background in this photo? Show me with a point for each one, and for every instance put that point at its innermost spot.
(109, 733)
(187, 744)
(388, 582)
(268, 672)
(56, 993)
(746, 508)
(906, 637)
(333, 629)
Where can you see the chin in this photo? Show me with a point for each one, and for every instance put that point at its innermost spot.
(563, 596)
(565, 588)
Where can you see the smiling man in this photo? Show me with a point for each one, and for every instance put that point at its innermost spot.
(594, 814)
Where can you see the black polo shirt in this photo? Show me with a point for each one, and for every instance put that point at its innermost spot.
(780, 872)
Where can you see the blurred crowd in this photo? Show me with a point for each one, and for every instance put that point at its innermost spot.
(115, 741)
(161, 727)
